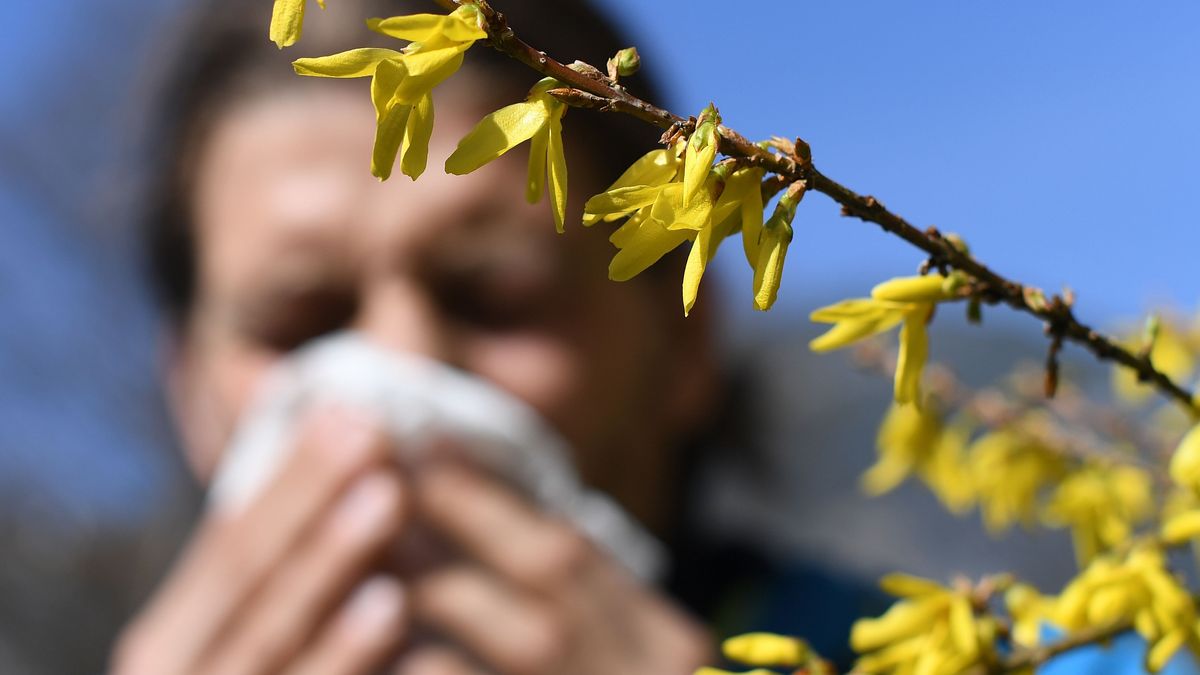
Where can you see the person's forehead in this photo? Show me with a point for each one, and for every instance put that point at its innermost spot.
(288, 175)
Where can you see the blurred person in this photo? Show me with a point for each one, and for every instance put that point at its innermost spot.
(266, 232)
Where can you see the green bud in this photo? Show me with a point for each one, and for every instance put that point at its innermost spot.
(625, 63)
(791, 198)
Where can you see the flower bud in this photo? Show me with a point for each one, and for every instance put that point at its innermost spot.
(625, 63)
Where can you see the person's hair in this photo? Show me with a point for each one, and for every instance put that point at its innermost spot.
(223, 54)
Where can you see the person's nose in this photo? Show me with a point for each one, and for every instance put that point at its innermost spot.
(398, 315)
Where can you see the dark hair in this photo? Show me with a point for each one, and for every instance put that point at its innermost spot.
(223, 53)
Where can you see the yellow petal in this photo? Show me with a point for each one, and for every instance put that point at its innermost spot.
(962, 628)
(698, 160)
(424, 27)
(352, 63)
(697, 260)
(643, 242)
(903, 620)
(914, 349)
(928, 288)
(426, 70)
(498, 133)
(388, 76)
(765, 649)
(752, 223)
(414, 154)
(653, 169)
(1162, 651)
(287, 21)
(622, 201)
(768, 272)
(1185, 463)
(558, 171)
(1182, 527)
(854, 308)
(536, 175)
(909, 586)
(849, 331)
(389, 134)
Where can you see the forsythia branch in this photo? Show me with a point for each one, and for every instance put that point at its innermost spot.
(595, 90)
(1025, 659)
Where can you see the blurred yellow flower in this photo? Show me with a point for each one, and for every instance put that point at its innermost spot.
(1010, 470)
(909, 301)
(1138, 590)
(1029, 609)
(932, 629)
(538, 120)
(766, 649)
(1101, 504)
(402, 82)
(1185, 463)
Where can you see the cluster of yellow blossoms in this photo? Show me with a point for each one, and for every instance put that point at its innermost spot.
(932, 629)
(676, 194)
(1135, 591)
(1014, 475)
(671, 196)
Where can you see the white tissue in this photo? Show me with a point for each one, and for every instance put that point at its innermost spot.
(422, 401)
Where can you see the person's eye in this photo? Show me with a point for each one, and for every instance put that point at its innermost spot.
(294, 317)
(493, 302)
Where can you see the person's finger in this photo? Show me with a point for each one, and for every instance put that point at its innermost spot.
(363, 634)
(295, 599)
(435, 661)
(511, 631)
(497, 527)
(232, 553)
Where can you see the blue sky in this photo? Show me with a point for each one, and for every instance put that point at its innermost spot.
(1059, 138)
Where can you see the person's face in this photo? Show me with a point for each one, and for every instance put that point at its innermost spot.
(296, 239)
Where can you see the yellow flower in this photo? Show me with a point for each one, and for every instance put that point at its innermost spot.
(1101, 505)
(1139, 590)
(287, 21)
(402, 82)
(932, 629)
(538, 120)
(1029, 609)
(650, 195)
(1185, 463)
(908, 300)
(766, 649)
(905, 441)
(648, 174)
(739, 206)
(1010, 470)
(767, 252)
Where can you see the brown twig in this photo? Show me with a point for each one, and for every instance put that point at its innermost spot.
(599, 92)
(1033, 657)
